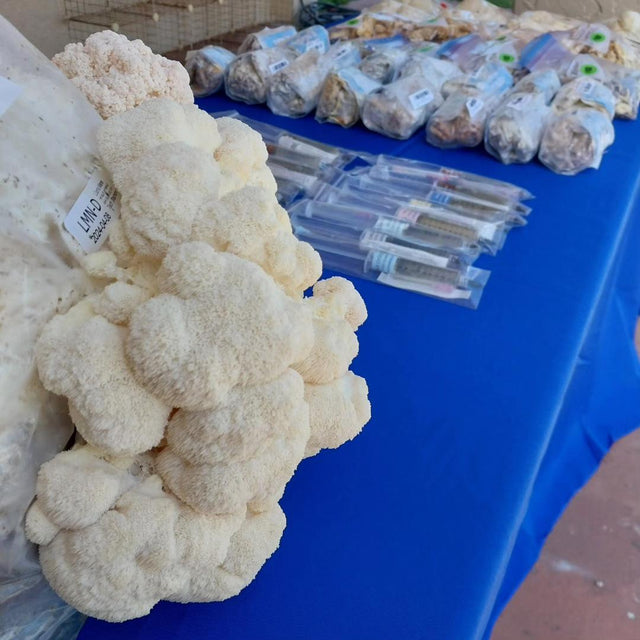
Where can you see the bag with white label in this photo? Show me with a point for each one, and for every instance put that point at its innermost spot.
(315, 38)
(461, 120)
(267, 38)
(576, 140)
(399, 109)
(514, 131)
(545, 82)
(248, 77)
(585, 92)
(48, 146)
(438, 71)
(206, 68)
(491, 79)
(295, 90)
(343, 95)
(383, 65)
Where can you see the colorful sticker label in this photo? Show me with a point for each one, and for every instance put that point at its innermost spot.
(420, 99)
(394, 228)
(9, 92)
(93, 213)
(384, 262)
(439, 197)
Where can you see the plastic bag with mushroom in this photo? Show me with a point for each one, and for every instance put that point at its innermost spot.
(383, 65)
(315, 38)
(399, 109)
(206, 68)
(587, 92)
(343, 95)
(576, 140)
(267, 38)
(249, 75)
(295, 90)
(514, 131)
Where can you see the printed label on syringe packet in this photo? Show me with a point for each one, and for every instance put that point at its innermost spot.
(278, 66)
(420, 99)
(287, 142)
(93, 213)
(408, 214)
(474, 106)
(391, 227)
(9, 92)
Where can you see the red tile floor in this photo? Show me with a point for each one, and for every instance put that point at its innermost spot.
(586, 584)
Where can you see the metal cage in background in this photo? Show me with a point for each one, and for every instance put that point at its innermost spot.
(168, 25)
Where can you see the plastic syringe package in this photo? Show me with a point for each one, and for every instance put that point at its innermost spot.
(399, 109)
(343, 95)
(576, 140)
(206, 68)
(248, 77)
(295, 90)
(376, 256)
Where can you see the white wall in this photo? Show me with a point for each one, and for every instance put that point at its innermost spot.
(592, 10)
(40, 21)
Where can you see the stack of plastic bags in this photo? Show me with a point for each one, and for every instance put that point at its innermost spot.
(403, 223)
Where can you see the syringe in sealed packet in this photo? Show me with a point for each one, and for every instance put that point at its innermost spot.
(376, 257)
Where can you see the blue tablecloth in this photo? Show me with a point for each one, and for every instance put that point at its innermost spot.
(485, 423)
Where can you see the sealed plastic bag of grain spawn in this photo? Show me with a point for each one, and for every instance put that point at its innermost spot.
(267, 38)
(47, 146)
(576, 140)
(206, 68)
(399, 109)
(514, 131)
(343, 95)
(383, 66)
(295, 90)
(585, 92)
(248, 76)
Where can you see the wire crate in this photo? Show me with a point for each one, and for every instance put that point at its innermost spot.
(168, 25)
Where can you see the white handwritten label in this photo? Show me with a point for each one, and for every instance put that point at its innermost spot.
(474, 106)
(316, 45)
(420, 99)
(9, 92)
(278, 66)
(93, 213)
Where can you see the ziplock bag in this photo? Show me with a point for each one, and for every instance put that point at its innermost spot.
(206, 68)
(399, 109)
(248, 77)
(267, 38)
(295, 90)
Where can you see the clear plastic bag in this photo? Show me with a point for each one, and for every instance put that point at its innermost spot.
(439, 72)
(576, 140)
(343, 95)
(399, 109)
(315, 38)
(383, 66)
(585, 92)
(206, 68)
(514, 131)
(48, 148)
(489, 79)
(248, 77)
(267, 38)
(545, 82)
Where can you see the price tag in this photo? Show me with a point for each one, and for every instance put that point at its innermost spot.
(9, 92)
(420, 99)
(278, 66)
(474, 106)
(93, 213)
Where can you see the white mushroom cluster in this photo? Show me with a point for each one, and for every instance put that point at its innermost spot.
(197, 375)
